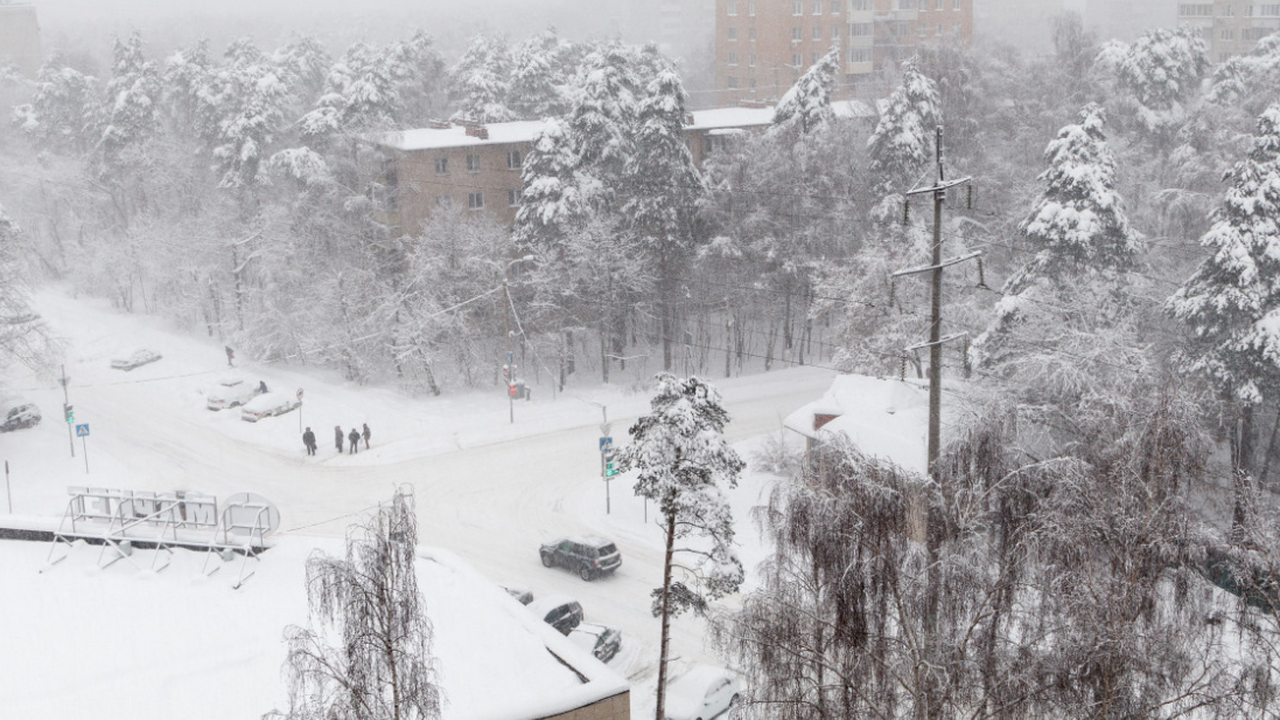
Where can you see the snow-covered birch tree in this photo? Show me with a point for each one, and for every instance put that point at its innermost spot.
(367, 651)
(684, 462)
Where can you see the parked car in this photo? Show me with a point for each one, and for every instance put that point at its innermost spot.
(268, 405)
(589, 555)
(519, 592)
(20, 416)
(560, 612)
(231, 392)
(702, 693)
(603, 642)
(136, 360)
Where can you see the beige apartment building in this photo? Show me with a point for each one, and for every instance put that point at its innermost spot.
(1230, 28)
(763, 46)
(20, 38)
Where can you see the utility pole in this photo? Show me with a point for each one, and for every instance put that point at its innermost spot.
(66, 410)
(510, 367)
(936, 339)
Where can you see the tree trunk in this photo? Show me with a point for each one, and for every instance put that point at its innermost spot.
(1242, 461)
(665, 644)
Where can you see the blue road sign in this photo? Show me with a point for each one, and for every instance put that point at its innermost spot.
(82, 430)
(605, 444)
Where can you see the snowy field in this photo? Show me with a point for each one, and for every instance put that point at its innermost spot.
(126, 642)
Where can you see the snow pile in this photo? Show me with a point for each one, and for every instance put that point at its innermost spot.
(886, 419)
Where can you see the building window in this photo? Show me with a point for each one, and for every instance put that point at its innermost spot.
(817, 32)
(922, 29)
(1229, 10)
(797, 7)
(751, 34)
(937, 5)
(955, 4)
(751, 83)
(905, 5)
(733, 34)
(475, 200)
(813, 57)
(1196, 10)
(797, 60)
(444, 201)
(797, 34)
(733, 82)
(1227, 35)
(817, 7)
(513, 198)
(442, 166)
(835, 32)
(859, 55)
(733, 8)
(955, 28)
(473, 163)
(751, 8)
(835, 6)
(859, 29)
(938, 30)
(1269, 10)
(514, 160)
(733, 58)
(751, 60)
(860, 5)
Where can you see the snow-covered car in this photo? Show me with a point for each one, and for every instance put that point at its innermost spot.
(136, 360)
(231, 392)
(603, 642)
(702, 693)
(560, 612)
(268, 405)
(519, 592)
(20, 416)
(588, 555)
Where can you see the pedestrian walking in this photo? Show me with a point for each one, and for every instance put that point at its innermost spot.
(337, 437)
(354, 437)
(366, 434)
(231, 355)
(309, 439)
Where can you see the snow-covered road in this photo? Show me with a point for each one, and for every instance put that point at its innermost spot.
(488, 489)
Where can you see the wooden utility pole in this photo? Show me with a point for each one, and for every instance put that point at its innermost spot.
(936, 339)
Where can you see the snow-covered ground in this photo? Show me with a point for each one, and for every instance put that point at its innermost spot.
(126, 642)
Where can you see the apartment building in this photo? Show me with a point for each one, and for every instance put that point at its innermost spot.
(1024, 24)
(763, 46)
(20, 38)
(1230, 28)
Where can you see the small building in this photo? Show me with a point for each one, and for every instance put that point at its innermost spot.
(886, 419)
(20, 38)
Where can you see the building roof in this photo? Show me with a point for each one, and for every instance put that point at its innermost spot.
(886, 419)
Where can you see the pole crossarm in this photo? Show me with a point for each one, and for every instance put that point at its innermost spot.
(940, 341)
(942, 186)
(945, 263)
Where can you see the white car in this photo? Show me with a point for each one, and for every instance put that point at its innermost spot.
(268, 405)
(231, 392)
(702, 693)
(136, 360)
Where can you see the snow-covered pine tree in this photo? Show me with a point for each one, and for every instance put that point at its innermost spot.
(303, 64)
(129, 114)
(1232, 302)
(60, 114)
(551, 201)
(421, 77)
(367, 651)
(602, 121)
(23, 335)
(664, 193)
(251, 112)
(684, 462)
(361, 94)
(903, 139)
(1163, 67)
(807, 104)
(479, 86)
(187, 81)
(1079, 224)
(538, 77)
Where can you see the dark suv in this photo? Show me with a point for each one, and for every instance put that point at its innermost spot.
(589, 555)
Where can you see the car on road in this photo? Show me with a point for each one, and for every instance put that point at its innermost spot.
(268, 405)
(588, 555)
(559, 611)
(231, 392)
(20, 416)
(519, 592)
(702, 693)
(603, 642)
(136, 360)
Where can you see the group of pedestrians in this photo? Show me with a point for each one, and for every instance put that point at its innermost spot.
(352, 439)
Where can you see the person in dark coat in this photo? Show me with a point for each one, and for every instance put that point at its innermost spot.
(367, 435)
(262, 387)
(309, 439)
(354, 437)
(337, 437)
(231, 355)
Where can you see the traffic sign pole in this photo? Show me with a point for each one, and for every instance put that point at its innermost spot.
(82, 431)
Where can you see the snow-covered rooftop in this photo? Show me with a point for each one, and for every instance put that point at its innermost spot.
(887, 419)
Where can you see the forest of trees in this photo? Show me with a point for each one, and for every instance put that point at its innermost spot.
(1125, 318)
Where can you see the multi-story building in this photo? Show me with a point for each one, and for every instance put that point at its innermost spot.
(763, 46)
(1230, 28)
(1128, 19)
(20, 38)
(1025, 24)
